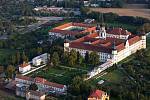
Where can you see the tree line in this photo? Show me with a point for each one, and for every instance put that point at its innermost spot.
(73, 58)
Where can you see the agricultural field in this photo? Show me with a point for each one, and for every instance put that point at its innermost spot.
(145, 13)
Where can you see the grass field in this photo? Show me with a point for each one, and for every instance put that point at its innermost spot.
(115, 76)
(145, 13)
(59, 75)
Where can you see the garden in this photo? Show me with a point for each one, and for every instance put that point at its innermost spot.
(61, 74)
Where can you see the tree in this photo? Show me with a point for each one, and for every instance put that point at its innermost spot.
(55, 59)
(24, 57)
(17, 57)
(75, 86)
(145, 27)
(1, 69)
(87, 57)
(118, 3)
(10, 71)
(79, 58)
(72, 58)
(33, 87)
(13, 59)
(39, 50)
(94, 58)
(64, 58)
(80, 87)
(26, 9)
(84, 11)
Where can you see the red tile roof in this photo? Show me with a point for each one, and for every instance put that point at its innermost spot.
(24, 65)
(63, 26)
(24, 77)
(96, 44)
(91, 43)
(120, 47)
(64, 32)
(97, 94)
(60, 28)
(73, 24)
(133, 39)
(118, 31)
(82, 25)
(54, 84)
(90, 47)
(40, 80)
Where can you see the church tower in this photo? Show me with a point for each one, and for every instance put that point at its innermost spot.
(102, 31)
(114, 52)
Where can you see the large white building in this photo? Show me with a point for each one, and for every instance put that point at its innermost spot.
(42, 59)
(24, 67)
(113, 44)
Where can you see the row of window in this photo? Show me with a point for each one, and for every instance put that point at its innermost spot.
(117, 36)
(45, 86)
(102, 55)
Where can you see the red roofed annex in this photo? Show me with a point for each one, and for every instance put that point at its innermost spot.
(71, 29)
(41, 82)
(98, 95)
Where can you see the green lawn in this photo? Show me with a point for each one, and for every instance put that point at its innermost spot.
(59, 75)
(112, 77)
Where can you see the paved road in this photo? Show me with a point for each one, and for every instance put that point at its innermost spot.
(41, 21)
(33, 70)
(49, 18)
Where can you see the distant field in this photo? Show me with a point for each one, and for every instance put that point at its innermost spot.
(145, 13)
